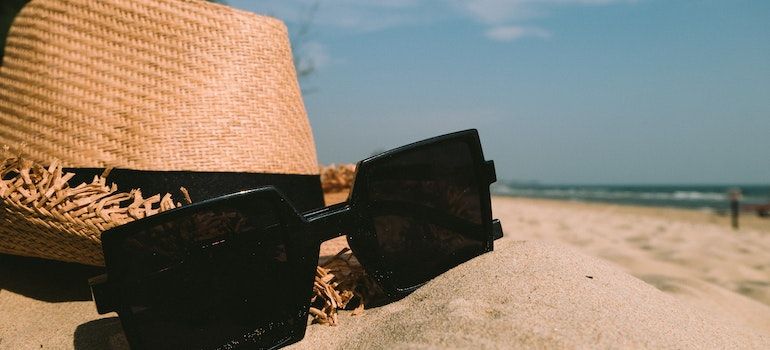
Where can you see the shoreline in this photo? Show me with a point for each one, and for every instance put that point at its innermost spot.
(747, 220)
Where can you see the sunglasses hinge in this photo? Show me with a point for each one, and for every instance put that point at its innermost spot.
(489, 169)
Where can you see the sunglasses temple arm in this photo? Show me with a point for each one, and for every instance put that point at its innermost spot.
(497, 229)
(101, 291)
(489, 169)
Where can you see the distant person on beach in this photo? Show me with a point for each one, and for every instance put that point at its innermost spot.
(735, 197)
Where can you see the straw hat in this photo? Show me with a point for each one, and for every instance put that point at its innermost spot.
(165, 93)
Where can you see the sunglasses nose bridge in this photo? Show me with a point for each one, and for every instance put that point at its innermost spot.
(332, 222)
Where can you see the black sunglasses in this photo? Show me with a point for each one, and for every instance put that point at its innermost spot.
(238, 270)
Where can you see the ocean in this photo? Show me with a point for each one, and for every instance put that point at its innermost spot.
(677, 196)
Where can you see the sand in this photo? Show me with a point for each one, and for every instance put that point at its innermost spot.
(694, 256)
(567, 275)
(535, 295)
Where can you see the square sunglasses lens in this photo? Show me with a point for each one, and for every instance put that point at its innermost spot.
(426, 210)
(219, 277)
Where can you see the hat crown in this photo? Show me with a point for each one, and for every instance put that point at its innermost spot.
(153, 85)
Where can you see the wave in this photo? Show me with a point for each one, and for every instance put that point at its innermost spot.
(704, 196)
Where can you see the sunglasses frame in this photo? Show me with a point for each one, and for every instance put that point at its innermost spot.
(349, 218)
(104, 290)
(361, 238)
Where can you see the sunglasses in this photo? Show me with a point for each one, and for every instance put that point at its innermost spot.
(238, 270)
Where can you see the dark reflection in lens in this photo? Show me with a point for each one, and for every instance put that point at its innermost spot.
(426, 210)
(210, 279)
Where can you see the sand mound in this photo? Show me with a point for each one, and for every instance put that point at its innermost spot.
(533, 294)
(691, 255)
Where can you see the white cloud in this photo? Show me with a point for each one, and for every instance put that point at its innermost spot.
(501, 11)
(359, 15)
(511, 33)
(313, 54)
(494, 11)
(502, 17)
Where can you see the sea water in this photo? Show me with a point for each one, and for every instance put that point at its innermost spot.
(712, 197)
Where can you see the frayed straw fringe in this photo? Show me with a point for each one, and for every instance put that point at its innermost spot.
(340, 284)
(337, 178)
(41, 215)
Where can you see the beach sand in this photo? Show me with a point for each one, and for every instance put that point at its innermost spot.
(530, 294)
(693, 255)
(583, 275)
(566, 275)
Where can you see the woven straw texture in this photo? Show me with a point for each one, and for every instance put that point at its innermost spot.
(153, 85)
(42, 215)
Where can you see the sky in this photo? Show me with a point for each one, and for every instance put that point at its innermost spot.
(561, 91)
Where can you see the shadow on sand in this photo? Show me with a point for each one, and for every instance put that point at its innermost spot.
(46, 280)
(105, 333)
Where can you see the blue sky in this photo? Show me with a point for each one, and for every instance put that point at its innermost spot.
(562, 91)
